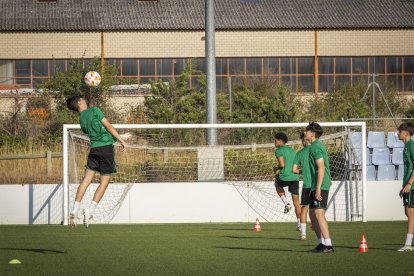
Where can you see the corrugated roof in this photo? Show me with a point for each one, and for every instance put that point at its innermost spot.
(107, 15)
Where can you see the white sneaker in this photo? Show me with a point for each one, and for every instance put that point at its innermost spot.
(86, 217)
(405, 248)
(287, 208)
(303, 237)
(73, 219)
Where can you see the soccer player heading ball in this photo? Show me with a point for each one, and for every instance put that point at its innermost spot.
(101, 158)
(405, 131)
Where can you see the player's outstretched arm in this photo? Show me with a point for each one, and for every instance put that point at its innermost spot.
(109, 127)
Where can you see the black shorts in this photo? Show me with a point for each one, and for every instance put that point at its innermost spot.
(293, 185)
(102, 160)
(305, 197)
(316, 204)
(408, 199)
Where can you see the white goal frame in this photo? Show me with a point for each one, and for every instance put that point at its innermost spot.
(67, 127)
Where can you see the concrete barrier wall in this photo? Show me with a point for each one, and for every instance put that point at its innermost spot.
(175, 203)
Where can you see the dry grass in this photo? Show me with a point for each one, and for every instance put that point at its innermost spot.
(30, 171)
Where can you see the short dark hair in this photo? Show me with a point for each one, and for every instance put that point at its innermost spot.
(315, 128)
(281, 136)
(407, 127)
(302, 136)
(72, 103)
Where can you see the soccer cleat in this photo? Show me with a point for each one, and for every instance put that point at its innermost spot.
(318, 249)
(72, 220)
(303, 237)
(287, 208)
(405, 248)
(298, 228)
(86, 217)
(328, 249)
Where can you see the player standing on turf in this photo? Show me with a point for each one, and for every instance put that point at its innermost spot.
(405, 131)
(284, 175)
(301, 166)
(321, 182)
(101, 156)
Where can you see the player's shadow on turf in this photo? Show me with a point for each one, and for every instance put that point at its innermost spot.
(267, 238)
(356, 248)
(36, 250)
(229, 229)
(257, 249)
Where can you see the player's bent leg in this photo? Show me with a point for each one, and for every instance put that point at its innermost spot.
(89, 175)
(100, 191)
(281, 193)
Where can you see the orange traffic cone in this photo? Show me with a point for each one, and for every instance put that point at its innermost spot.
(363, 247)
(257, 227)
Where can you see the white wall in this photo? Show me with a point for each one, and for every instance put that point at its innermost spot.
(174, 203)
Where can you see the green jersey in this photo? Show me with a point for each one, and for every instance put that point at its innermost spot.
(408, 157)
(288, 155)
(317, 151)
(302, 159)
(91, 124)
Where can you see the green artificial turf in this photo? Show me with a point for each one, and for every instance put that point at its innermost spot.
(201, 249)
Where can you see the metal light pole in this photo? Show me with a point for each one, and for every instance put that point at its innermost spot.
(211, 101)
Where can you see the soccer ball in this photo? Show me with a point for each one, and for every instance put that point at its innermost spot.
(92, 79)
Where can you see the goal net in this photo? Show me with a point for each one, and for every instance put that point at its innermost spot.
(241, 155)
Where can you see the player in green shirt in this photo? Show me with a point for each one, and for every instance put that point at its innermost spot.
(320, 184)
(285, 176)
(405, 131)
(101, 158)
(301, 166)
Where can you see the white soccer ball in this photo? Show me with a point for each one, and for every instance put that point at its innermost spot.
(92, 79)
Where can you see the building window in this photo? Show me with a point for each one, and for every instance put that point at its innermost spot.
(164, 67)
(254, 66)
(297, 73)
(22, 72)
(236, 66)
(147, 67)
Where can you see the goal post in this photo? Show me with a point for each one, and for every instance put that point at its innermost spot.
(167, 152)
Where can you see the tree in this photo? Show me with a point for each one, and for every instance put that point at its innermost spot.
(70, 83)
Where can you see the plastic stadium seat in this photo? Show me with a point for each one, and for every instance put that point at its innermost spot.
(356, 139)
(381, 156)
(386, 172)
(397, 156)
(393, 141)
(358, 156)
(376, 139)
(400, 174)
(370, 172)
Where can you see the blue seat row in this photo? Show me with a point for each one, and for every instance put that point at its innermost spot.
(384, 172)
(376, 139)
(380, 156)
